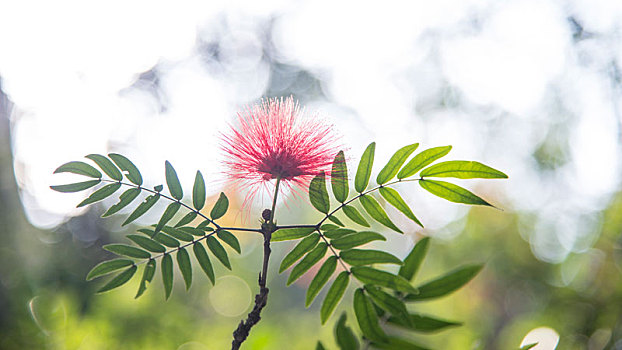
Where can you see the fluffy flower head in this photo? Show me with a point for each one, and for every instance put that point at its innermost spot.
(275, 139)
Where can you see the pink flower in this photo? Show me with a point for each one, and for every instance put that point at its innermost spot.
(273, 140)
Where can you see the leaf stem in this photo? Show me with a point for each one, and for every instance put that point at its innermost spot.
(261, 299)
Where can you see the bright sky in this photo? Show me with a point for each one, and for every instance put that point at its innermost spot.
(509, 73)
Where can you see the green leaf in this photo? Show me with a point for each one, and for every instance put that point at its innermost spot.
(307, 262)
(203, 259)
(318, 194)
(394, 198)
(414, 259)
(142, 208)
(356, 239)
(161, 238)
(107, 267)
(124, 199)
(339, 177)
(100, 194)
(319, 346)
(299, 250)
(178, 234)
(363, 173)
(334, 295)
(107, 166)
(320, 279)
(382, 278)
(421, 160)
(131, 171)
(395, 343)
(183, 260)
(126, 250)
(119, 280)
(195, 231)
(230, 239)
(170, 211)
(358, 257)
(80, 168)
(186, 219)
(216, 248)
(354, 215)
(287, 234)
(220, 208)
(167, 275)
(395, 163)
(158, 188)
(463, 169)
(373, 208)
(336, 220)
(76, 187)
(172, 181)
(328, 227)
(337, 233)
(389, 303)
(446, 284)
(367, 317)
(422, 323)
(147, 243)
(148, 274)
(528, 346)
(198, 191)
(451, 192)
(344, 335)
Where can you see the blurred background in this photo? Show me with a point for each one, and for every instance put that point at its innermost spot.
(532, 88)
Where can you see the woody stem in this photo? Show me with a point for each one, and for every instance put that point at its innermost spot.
(261, 299)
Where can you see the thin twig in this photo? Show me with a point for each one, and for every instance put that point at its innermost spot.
(261, 299)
